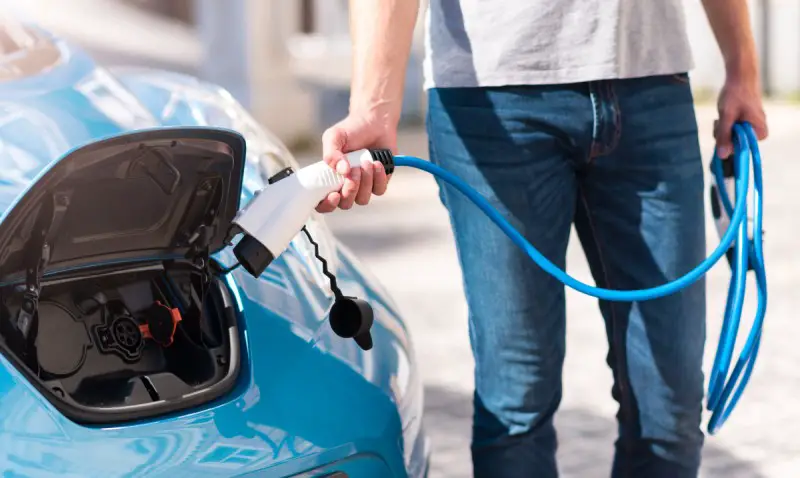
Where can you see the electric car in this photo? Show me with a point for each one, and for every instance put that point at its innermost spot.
(131, 345)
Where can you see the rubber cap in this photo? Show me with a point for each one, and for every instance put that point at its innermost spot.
(162, 322)
(352, 318)
(252, 255)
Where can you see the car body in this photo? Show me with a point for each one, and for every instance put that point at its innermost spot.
(302, 401)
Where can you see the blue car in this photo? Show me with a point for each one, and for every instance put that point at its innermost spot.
(128, 344)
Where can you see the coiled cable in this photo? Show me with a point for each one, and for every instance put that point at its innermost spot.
(725, 386)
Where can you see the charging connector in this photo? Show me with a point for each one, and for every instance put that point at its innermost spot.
(279, 211)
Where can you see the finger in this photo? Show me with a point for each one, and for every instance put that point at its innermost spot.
(350, 188)
(723, 133)
(333, 142)
(762, 131)
(760, 126)
(380, 180)
(330, 203)
(343, 166)
(365, 188)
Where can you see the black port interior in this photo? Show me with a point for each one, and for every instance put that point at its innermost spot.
(94, 355)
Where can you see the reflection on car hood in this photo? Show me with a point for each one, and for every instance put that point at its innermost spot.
(51, 112)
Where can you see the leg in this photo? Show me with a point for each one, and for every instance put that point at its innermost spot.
(640, 217)
(506, 145)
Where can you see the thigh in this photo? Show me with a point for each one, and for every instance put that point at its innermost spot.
(503, 143)
(641, 220)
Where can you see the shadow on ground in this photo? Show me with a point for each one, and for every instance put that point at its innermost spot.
(378, 242)
(367, 230)
(586, 441)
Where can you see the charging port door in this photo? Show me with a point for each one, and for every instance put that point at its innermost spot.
(146, 195)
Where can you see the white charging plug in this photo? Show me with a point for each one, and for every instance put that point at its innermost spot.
(278, 212)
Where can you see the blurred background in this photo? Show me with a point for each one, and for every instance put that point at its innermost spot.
(288, 62)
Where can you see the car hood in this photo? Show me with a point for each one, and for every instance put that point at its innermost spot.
(153, 194)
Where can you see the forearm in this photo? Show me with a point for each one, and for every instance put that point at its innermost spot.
(382, 33)
(730, 22)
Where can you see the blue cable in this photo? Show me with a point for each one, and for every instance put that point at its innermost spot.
(725, 388)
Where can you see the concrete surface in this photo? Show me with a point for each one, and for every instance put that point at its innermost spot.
(404, 238)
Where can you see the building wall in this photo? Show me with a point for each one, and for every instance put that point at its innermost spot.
(182, 10)
(783, 42)
(778, 40)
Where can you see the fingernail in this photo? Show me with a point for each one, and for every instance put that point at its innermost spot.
(341, 166)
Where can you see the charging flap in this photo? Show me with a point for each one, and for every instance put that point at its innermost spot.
(151, 194)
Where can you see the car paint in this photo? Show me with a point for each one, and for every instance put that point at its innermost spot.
(306, 403)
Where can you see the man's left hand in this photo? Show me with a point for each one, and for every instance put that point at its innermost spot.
(739, 101)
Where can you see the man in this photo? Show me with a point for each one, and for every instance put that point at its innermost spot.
(563, 112)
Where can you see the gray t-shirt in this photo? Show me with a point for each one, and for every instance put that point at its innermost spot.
(527, 42)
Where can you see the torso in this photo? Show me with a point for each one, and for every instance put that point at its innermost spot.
(516, 42)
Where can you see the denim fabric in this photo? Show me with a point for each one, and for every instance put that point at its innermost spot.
(619, 160)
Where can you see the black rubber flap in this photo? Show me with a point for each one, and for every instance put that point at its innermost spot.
(145, 195)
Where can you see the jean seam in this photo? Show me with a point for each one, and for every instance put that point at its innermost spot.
(601, 147)
(593, 95)
(617, 119)
(620, 353)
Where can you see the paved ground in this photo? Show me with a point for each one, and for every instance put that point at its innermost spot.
(404, 238)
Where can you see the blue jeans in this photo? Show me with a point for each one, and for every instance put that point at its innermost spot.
(621, 161)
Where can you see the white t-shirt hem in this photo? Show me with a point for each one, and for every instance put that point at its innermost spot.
(552, 77)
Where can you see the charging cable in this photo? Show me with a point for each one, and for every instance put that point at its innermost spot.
(742, 246)
(278, 212)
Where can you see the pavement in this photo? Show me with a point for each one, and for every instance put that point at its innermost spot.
(404, 238)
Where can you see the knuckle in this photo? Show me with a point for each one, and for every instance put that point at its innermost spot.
(727, 114)
(331, 133)
(334, 138)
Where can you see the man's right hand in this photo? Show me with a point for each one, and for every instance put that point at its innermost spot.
(382, 33)
(357, 131)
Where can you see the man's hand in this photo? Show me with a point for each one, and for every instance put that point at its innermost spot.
(739, 100)
(356, 132)
(381, 35)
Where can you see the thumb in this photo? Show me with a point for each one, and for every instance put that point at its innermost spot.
(723, 134)
(333, 143)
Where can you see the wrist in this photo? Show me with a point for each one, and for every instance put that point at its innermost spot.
(383, 112)
(742, 67)
(743, 78)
